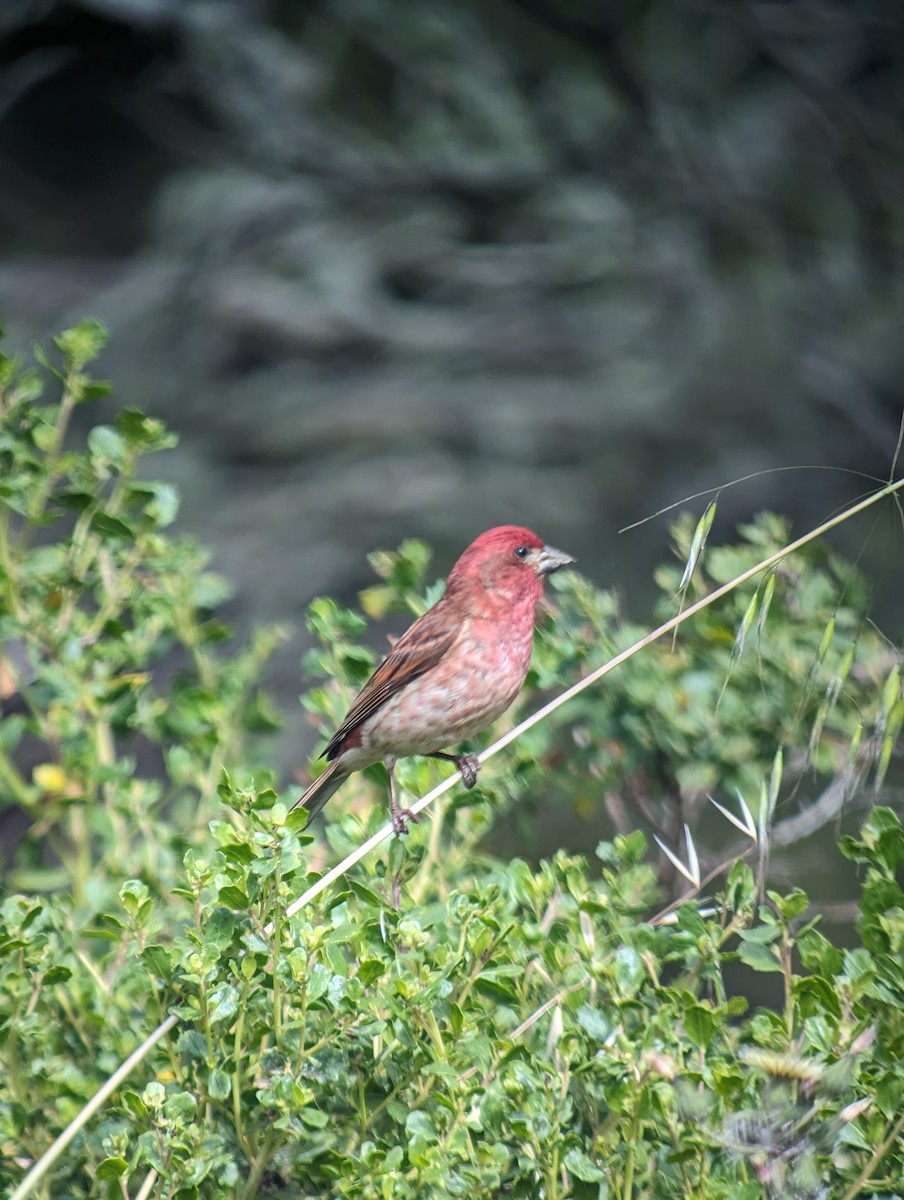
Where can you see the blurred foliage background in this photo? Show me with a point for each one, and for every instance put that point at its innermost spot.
(421, 268)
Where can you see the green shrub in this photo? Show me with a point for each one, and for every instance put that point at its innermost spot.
(509, 1029)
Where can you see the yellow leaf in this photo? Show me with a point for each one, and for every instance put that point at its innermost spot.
(376, 600)
(51, 779)
(134, 679)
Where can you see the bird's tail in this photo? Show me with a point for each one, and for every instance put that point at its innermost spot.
(321, 790)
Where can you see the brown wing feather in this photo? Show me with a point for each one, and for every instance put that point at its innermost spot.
(418, 649)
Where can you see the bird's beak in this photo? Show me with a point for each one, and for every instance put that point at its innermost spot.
(550, 559)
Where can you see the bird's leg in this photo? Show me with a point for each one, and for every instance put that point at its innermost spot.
(398, 815)
(468, 766)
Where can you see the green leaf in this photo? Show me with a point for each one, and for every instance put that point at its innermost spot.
(157, 960)
(628, 970)
(818, 954)
(700, 1025)
(370, 970)
(760, 957)
(594, 1022)
(109, 526)
(365, 894)
(499, 991)
(233, 897)
(134, 1104)
(740, 887)
(219, 1084)
(107, 444)
(314, 1118)
(180, 1106)
(57, 974)
(82, 343)
(582, 1167)
(690, 920)
(223, 1003)
(792, 905)
(135, 899)
(112, 1168)
(159, 501)
(96, 389)
(221, 927)
(763, 934)
(144, 433)
(44, 437)
(418, 1124)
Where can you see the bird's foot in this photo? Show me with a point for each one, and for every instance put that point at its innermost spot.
(468, 765)
(400, 818)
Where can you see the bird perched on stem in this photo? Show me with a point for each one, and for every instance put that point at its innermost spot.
(452, 673)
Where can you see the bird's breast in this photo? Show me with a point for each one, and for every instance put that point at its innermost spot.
(472, 685)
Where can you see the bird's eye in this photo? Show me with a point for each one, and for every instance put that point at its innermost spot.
(521, 552)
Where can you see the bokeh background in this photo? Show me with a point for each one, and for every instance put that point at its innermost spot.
(408, 267)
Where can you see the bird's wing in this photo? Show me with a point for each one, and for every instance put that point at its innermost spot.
(418, 649)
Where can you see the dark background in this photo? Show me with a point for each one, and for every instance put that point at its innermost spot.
(419, 268)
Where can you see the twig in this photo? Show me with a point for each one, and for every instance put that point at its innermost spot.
(147, 1187)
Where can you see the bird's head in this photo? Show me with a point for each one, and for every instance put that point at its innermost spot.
(508, 561)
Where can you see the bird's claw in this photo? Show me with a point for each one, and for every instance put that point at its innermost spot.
(400, 818)
(468, 766)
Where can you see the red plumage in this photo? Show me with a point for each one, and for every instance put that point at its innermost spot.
(453, 672)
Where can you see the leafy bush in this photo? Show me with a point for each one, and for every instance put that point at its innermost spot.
(509, 1029)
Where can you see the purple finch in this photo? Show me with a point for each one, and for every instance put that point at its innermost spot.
(452, 673)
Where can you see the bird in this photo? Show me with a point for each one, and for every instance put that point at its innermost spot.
(456, 669)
